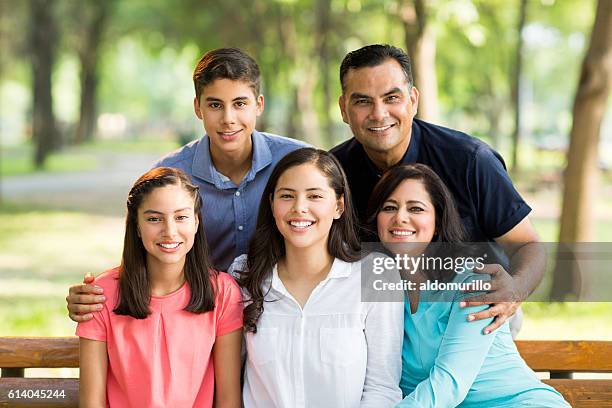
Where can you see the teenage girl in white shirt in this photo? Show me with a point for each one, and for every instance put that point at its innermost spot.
(311, 341)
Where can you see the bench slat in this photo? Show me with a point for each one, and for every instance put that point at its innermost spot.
(567, 356)
(70, 386)
(585, 393)
(39, 352)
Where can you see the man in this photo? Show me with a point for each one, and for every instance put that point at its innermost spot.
(379, 103)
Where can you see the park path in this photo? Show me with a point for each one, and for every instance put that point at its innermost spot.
(102, 190)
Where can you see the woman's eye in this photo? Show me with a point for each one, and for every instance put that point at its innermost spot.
(153, 219)
(316, 196)
(182, 217)
(285, 196)
(415, 209)
(388, 208)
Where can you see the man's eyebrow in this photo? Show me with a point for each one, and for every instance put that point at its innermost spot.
(393, 91)
(357, 95)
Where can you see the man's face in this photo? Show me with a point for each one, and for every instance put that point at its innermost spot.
(229, 110)
(379, 106)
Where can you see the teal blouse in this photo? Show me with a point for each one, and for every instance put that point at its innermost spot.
(448, 362)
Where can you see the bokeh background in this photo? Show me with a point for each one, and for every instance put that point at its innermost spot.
(92, 93)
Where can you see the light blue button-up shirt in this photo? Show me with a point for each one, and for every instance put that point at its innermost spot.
(229, 212)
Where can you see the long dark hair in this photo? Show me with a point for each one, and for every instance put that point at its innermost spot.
(449, 228)
(267, 246)
(134, 283)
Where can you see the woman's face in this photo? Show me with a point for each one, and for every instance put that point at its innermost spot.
(167, 225)
(407, 215)
(304, 206)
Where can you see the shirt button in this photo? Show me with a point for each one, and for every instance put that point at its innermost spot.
(237, 193)
(240, 228)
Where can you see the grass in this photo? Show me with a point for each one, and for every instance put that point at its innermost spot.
(548, 230)
(42, 253)
(19, 160)
(567, 321)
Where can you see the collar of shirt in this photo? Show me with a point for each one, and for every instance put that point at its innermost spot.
(339, 269)
(204, 168)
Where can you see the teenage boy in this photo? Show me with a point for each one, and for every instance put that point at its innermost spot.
(230, 164)
(379, 103)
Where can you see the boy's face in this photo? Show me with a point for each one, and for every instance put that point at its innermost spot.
(229, 110)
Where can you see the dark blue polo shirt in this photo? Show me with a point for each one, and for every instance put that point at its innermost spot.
(476, 175)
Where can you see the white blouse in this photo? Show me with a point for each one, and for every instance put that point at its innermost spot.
(335, 352)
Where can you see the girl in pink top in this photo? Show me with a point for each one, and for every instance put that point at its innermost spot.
(168, 334)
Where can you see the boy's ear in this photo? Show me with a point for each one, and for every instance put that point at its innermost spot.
(260, 104)
(196, 107)
(339, 208)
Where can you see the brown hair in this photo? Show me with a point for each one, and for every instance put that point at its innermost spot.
(134, 284)
(226, 63)
(267, 246)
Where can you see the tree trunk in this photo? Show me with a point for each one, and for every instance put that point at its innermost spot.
(581, 174)
(89, 56)
(516, 87)
(420, 40)
(322, 46)
(43, 37)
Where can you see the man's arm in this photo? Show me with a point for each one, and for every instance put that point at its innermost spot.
(83, 299)
(527, 265)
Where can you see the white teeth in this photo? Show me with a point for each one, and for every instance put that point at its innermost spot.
(379, 129)
(301, 224)
(229, 133)
(403, 233)
(170, 246)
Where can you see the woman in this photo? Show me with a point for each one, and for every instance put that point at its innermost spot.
(310, 340)
(446, 360)
(168, 334)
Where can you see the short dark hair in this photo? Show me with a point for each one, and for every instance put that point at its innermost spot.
(226, 63)
(134, 283)
(267, 246)
(373, 55)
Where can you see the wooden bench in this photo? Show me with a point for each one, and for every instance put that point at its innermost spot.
(560, 358)
(17, 353)
(563, 358)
